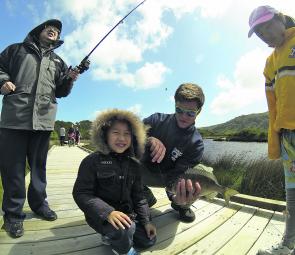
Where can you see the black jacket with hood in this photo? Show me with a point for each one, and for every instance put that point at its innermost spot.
(109, 181)
(39, 77)
(184, 146)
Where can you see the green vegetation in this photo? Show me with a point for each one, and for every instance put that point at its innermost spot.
(260, 177)
(252, 127)
(84, 128)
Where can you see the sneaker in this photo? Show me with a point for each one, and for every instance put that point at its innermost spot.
(14, 229)
(278, 249)
(132, 251)
(185, 214)
(105, 240)
(46, 214)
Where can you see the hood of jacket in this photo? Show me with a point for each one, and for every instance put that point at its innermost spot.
(138, 131)
(33, 35)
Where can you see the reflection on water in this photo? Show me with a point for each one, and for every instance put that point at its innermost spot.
(253, 150)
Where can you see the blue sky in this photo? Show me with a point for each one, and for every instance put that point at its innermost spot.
(161, 45)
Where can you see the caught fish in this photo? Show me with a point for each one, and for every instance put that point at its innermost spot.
(208, 182)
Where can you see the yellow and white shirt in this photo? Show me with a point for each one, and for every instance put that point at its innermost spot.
(279, 73)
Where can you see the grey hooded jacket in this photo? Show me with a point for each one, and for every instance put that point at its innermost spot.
(39, 77)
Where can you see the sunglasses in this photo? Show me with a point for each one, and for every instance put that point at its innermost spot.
(52, 28)
(190, 113)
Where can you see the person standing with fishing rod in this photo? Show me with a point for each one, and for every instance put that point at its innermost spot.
(32, 76)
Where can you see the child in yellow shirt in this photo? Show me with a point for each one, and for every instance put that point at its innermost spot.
(278, 31)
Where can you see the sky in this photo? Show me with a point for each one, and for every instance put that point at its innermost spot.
(161, 45)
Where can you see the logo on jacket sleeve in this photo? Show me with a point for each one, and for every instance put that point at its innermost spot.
(176, 153)
(292, 53)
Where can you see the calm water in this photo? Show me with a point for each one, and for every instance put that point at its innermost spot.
(253, 150)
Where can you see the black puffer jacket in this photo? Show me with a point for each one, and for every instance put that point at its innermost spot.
(109, 181)
(39, 78)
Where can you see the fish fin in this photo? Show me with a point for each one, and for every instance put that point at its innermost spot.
(203, 170)
(211, 195)
(228, 193)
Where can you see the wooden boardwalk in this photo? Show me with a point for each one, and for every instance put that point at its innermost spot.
(238, 229)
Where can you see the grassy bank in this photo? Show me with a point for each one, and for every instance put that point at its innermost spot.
(260, 177)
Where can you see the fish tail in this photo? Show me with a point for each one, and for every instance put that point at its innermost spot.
(228, 193)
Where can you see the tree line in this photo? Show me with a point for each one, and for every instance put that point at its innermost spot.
(84, 128)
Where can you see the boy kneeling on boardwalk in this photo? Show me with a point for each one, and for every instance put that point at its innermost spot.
(108, 188)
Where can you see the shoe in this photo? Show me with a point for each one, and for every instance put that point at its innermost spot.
(132, 251)
(278, 249)
(151, 199)
(185, 214)
(46, 214)
(14, 229)
(105, 240)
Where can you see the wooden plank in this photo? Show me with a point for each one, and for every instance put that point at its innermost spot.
(242, 242)
(45, 225)
(30, 216)
(181, 236)
(271, 235)
(269, 204)
(50, 247)
(215, 240)
(37, 236)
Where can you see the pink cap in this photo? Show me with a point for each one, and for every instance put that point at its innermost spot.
(260, 15)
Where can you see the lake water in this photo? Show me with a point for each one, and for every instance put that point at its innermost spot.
(251, 150)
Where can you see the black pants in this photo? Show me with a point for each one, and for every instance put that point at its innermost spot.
(17, 146)
(62, 140)
(123, 239)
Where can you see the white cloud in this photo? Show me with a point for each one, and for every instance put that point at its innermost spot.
(246, 88)
(151, 75)
(143, 31)
(136, 109)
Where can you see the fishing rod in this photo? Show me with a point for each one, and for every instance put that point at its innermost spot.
(84, 65)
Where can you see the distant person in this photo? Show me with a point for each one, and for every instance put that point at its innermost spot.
(278, 31)
(108, 188)
(32, 76)
(77, 136)
(174, 145)
(62, 136)
(71, 135)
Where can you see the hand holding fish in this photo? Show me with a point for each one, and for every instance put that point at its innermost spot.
(186, 192)
(157, 149)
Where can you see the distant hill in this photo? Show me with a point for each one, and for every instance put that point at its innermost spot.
(255, 121)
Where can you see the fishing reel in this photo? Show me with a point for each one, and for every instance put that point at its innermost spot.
(84, 65)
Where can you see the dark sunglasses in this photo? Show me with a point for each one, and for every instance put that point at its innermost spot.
(190, 113)
(54, 29)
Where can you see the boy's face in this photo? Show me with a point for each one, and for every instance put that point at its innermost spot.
(186, 113)
(119, 137)
(271, 32)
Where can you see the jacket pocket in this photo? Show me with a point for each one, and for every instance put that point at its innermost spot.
(106, 178)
